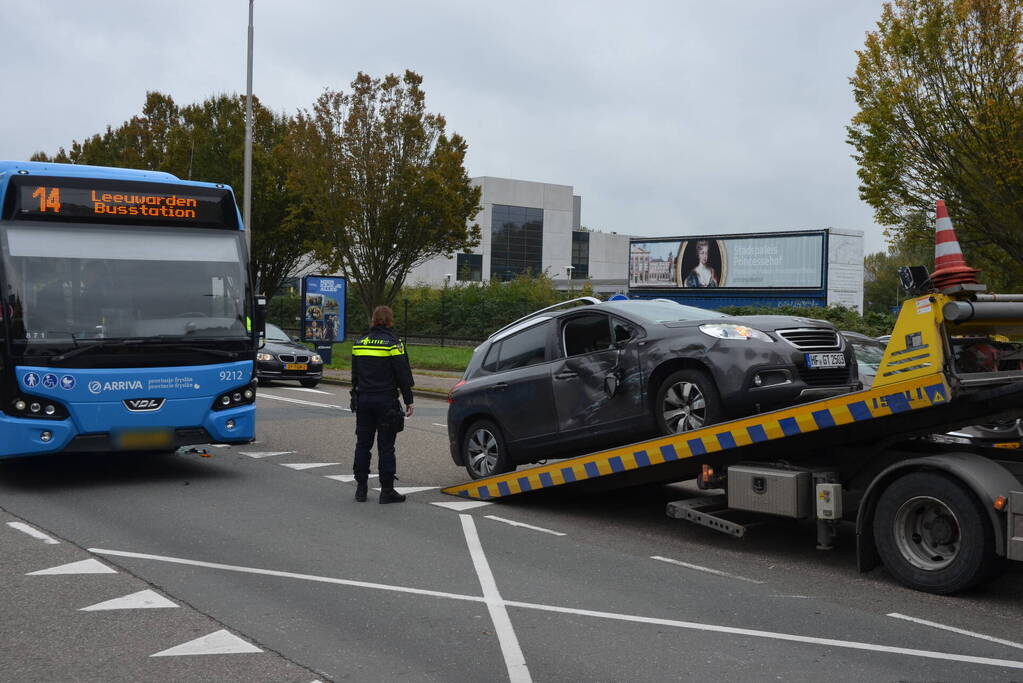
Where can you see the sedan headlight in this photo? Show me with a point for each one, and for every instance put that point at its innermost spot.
(264, 356)
(727, 331)
(316, 358)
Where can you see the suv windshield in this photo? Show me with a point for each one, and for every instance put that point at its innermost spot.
(66, 283)
(666, 312)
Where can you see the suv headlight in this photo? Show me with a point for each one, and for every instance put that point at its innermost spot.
(264, 356)
(316, 358)
(727, 331)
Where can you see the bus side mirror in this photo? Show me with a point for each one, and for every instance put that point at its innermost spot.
(261, 319)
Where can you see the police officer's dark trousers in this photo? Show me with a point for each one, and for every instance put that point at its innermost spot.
(369, 415)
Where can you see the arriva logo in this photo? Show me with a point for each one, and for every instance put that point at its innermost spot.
(121, 385)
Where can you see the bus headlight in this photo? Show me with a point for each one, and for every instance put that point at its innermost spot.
(237, 397)
(28, 406)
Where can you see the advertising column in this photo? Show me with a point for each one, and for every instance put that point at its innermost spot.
(323, 312)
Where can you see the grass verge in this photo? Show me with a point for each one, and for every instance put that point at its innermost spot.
(449, 358)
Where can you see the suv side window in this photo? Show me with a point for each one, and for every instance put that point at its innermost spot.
(587, 333)
(490, 362)
(528, 347)
(623, 331)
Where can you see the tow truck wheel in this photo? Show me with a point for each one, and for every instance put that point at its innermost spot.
(685, 401)
(932, 534)
(483, 450)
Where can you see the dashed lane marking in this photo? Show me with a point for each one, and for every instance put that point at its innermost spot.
(953, 629)
(307, 465)
(147, 599)
(307, 390)
(299, 401)
(514, 660)
(90, 566)
(264, 454)
(614, 616)
(707, 570)
(346, 478)
(221, 642)
(33, 532)
(512, 522)
(459, 506)
(438, 424)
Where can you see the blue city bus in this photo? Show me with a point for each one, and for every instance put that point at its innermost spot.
(128, 317)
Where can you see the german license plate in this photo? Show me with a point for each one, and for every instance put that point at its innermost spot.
(144, 439)
(296, 366)
(823, 361)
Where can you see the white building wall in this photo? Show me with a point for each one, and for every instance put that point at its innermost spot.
(609, 256)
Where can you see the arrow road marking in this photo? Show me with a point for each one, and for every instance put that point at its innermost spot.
(405, 490)
(459, 506)
(221, 642)
(146, 599)
(614, 616)
(346, 478)
(89, 566)
(307, 465)
(265, 454)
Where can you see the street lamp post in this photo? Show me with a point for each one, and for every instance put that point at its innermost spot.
(443, 311)
(247, 202)
(569, 269)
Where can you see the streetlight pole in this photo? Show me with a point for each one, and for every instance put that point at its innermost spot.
(247, 203)
(569, 269)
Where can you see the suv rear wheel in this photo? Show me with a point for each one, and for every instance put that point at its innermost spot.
(685, 401)
(483, 450)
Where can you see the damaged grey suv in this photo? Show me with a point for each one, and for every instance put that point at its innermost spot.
(587, 375)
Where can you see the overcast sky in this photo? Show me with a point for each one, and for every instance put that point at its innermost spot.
(668, 118)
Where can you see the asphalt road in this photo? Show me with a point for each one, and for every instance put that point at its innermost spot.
(287, 578)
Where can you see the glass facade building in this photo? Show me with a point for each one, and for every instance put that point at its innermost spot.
(580, 255)
(469, 268)
(516, 246)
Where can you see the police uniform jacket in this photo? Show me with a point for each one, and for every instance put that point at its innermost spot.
(380, 365)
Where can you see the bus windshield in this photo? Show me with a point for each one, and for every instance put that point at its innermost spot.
(71, 282)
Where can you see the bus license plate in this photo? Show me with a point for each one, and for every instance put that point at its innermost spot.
(296, 366)
(823, 361)
(148, 439)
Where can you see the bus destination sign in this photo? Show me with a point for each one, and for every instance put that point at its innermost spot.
(72, 199)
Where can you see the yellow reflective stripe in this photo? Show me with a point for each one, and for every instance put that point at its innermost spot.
(375, 351)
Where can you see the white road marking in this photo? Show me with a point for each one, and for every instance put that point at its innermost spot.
(288, 575)
(953, 629)
(304, 403)
(523, 525)
(217, 445)
(685, 625)
(221, 642)
(346, 478)
(438, 424)
(514, 660)
(265, 454)
(90, 566)
(33, 532)
(458, 506)
(708, 570)
(307, 465)
(307, 389)
(146, 599)
(405, 490)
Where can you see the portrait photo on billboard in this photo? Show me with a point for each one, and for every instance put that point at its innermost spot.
(703, 263)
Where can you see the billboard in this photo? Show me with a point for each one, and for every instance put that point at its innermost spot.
(772, 261)
(323, 308)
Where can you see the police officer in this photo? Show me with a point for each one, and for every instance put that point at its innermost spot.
(380, 369)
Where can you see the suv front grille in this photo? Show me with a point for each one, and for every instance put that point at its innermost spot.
(824, 378)
(291, 358)
(812, 338)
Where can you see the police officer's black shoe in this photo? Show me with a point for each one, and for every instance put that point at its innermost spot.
(360, 492)
(389, 495)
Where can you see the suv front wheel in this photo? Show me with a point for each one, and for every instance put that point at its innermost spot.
(484, 451)
(685, 401)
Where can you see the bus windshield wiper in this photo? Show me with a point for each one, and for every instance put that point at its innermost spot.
(167, 341)
(80, 348)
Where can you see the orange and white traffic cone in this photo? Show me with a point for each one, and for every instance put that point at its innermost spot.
(950, 269)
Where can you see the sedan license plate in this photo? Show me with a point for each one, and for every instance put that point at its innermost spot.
(147, 439)
(296, 366)
(823, 361)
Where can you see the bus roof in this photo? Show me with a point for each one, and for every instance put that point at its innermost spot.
(84, 171)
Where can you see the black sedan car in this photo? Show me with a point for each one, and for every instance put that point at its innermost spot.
(561, 382)
(284, 358)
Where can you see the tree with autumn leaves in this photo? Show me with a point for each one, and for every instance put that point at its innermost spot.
(939, 87)
(367, 183)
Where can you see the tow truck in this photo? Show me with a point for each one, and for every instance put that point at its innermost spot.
(941, 520)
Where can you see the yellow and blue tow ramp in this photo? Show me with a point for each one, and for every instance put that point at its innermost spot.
(897, 397)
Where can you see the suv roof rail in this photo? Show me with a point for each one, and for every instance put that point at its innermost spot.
(588, 300)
